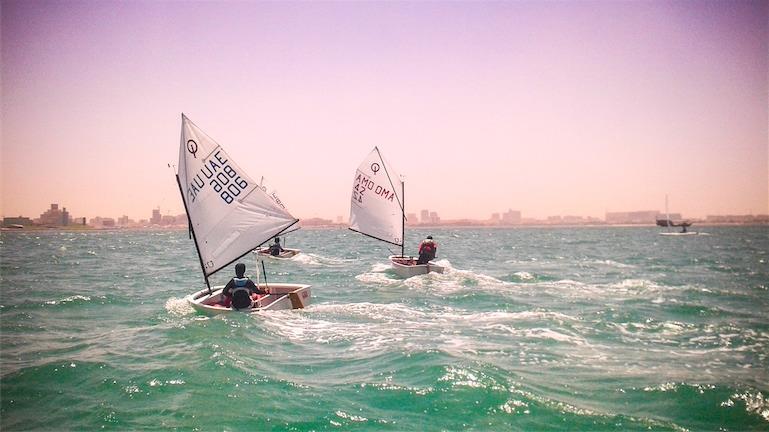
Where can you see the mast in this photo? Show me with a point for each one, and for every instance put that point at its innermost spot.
(192, 231)
(403, 220)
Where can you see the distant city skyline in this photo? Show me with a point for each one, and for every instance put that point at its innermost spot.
(56, 216)
(548, 108)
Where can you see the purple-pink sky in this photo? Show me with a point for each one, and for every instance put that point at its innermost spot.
(550, 108)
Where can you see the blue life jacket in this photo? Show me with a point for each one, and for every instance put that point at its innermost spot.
(241, 296)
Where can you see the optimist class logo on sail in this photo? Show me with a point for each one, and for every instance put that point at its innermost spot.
(216, 173)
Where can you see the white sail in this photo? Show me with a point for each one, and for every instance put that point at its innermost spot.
(272, 193)
(376, 206)
(230, 213)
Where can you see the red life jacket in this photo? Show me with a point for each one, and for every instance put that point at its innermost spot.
(427, 247)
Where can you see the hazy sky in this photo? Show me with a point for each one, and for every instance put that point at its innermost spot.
(550, 108)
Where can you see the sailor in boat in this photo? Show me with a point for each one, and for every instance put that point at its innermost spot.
(427, 250)
(241, 292)
(275, 249)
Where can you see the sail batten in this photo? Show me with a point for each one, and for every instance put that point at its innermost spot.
(376, 208)
(230, 212)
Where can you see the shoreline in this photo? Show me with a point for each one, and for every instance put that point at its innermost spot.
(81, 228)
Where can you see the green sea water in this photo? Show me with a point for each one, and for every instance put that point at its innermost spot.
(615, 329)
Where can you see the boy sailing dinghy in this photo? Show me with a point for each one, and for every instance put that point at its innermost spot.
(264, 252)
(377, 210)
(229, 215)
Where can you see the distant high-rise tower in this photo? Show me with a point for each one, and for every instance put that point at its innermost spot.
(53, 216)
(64, 217)
(424, 216)
(511, 217)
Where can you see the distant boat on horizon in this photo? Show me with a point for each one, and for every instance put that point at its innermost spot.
(669, 223)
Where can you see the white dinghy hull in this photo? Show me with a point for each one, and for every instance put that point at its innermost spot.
(283, 296)
(407, 267)
(286, 254)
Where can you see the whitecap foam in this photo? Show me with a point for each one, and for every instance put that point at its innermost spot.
(446, 264)
(377, 279)
(546, 333)
(754, 402)
(354, 418)
(396, 326)
(453, 281)
(69, 299)
(522, 275)
(380, 267)
(611, 263)
(635, 283)
(319, 260)
(178, 306)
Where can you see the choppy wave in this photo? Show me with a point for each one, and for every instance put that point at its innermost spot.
(320, 260)
(549, 329)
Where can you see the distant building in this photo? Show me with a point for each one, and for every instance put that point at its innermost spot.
(424, 216)
(96, 222)
(411, 218)
(156, 218)
(124, 221)
(54, 217)
(741, 219)
(181, 219)
(316, 222)
(568, 219)
(428, 217)
(634, 217)
(463, 222)
(20, 220)
(511, 217)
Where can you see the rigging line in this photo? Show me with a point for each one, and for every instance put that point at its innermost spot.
(389, 179)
